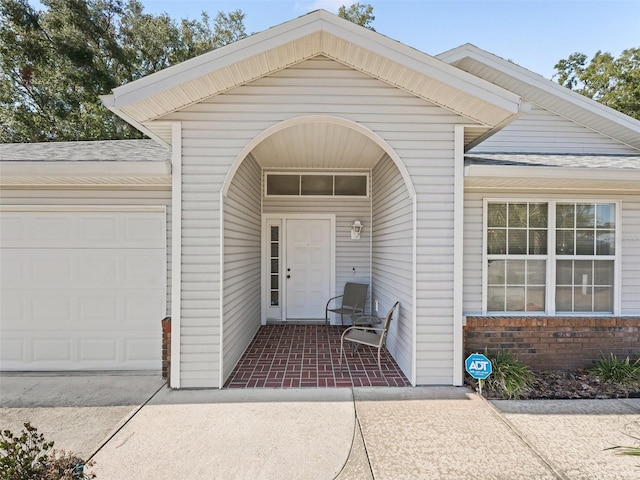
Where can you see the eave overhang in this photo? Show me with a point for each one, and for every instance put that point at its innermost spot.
(85, 175)
(520, 179)
(545, 93)
(143, 102)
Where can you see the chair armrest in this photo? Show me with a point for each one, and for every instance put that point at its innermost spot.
(331, 299)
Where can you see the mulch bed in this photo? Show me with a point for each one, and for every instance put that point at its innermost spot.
(576, 384)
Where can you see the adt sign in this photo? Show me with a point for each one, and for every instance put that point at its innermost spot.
(478, 366)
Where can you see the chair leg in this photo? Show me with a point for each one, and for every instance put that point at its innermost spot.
(341, 349)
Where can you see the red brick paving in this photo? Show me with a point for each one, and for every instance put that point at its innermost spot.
(294, 356)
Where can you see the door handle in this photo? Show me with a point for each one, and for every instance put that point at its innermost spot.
(288, 276)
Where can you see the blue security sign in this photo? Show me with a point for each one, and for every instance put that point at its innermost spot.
(478, 366)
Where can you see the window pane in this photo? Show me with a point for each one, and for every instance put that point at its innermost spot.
(585, 215)
(274, 299)
(351, 185)
(317, 184)
(565, 216)
(496, 242)
(583, 272)
(605, 242)
(283, 184)
(564, 299)
(274, 233)
(495, 275)
(603, 273)
(583, 299)
(517, 241)
(515, 272)
(517, 215)
(274, 249)
(584, 242)
(515, 299)
(538, 215)
(497, 215)
(606, 216)
(274, 265)
(495, 299)
(536, 272)
(274, 282)
(535, 299)
(537, 242)
(564, 272)
(564, 242)
(603, 299)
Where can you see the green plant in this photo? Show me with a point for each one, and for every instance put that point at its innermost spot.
(30, 457)
(633, 450)
(510, 378)
(614, 370)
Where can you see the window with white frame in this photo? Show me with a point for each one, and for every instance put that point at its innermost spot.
(553, 257)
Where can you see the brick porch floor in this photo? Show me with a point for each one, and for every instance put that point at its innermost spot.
(292, 356)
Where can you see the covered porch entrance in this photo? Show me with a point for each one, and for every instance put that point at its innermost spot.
(289, 208)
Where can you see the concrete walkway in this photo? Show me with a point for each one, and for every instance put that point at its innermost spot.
(348, 434)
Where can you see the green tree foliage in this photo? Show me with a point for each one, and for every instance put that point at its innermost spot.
(55, 63)
(358, 13)
(614, 82)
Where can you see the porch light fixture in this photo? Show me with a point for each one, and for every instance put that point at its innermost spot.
(356, 228)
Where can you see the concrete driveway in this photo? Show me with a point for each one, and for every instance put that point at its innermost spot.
(139, 429)
(78, 411)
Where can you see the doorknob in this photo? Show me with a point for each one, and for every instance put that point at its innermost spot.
(288, 276)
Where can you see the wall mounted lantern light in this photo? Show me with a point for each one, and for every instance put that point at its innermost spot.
(356, 228)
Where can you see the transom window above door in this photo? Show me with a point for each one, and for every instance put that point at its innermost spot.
(552, 257)
(322, 184)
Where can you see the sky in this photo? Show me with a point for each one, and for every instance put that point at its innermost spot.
(535, 34)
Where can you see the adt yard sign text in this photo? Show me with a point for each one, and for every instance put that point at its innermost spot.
(478, 366)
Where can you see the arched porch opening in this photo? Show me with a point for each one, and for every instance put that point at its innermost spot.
(265, 229)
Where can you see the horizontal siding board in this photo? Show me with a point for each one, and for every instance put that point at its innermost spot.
(542, 131)
(393, 260)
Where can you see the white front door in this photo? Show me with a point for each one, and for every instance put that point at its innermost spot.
(307, 273)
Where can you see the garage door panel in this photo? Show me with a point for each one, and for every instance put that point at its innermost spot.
(52, 349)
(87, 291)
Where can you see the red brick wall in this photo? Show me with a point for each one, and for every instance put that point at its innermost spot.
(166, 349)
(551, 343)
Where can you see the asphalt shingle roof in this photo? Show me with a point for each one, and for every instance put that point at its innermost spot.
(89, 151)
(631, 162)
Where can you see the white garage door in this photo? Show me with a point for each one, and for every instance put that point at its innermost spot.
(82, 289)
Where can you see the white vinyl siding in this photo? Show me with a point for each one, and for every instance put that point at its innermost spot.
(393, 258)
(216, 130)
(628, 230)
(542, 131)
(242, 249)
(93, 197)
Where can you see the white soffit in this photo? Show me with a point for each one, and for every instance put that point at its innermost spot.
(318, 33)
(545, 93)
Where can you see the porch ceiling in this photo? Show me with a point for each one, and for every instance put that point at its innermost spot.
(317, 146)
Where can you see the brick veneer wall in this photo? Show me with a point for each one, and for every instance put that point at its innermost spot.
(166, 349)
(551, 343)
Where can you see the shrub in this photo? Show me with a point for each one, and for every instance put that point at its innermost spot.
(614, 370)
(510, 378)
(30, 457)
